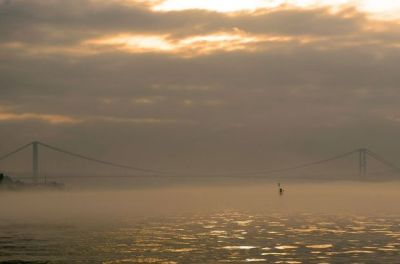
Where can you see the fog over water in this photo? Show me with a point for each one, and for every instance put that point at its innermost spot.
(107, 204)
(326, 222)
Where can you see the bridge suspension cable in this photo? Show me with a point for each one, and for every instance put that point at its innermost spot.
(200, 173)
(98, 160)
(382, 160)
(300, 166)
(15, 151)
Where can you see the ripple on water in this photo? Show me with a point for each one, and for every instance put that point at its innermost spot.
(255, 260)
(275, 254)
(177, 250)
(244, 222)
(140, 260)
(239, 247)
(224, 237)
(320, 246)
(284, 247)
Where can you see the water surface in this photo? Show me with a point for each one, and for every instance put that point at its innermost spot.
(199, 226)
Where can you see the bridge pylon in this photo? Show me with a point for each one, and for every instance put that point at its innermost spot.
(35, 161)
(362, 162)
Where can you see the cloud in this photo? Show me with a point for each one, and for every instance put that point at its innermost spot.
(149, 121)
(60, 22)
(51, 119)
(86, 28)
(225, 90)
(70, 120)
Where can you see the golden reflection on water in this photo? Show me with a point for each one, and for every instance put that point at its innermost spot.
(238, 247)
(321, 246)
(235, 238)
(285, 247)
(232, 237)
(255, 260)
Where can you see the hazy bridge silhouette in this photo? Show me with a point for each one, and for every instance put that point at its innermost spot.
(362, 153)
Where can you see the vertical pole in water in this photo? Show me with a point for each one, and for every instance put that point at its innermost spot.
(362, 163)
(35, 161)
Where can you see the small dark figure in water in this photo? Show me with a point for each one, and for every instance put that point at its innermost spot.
(280, 189)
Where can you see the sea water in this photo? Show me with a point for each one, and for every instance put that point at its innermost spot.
(335, 223)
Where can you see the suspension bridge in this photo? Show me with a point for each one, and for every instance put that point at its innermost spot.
(362, 154)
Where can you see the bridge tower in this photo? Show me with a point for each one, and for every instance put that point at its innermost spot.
(362, 165)
(35, 161)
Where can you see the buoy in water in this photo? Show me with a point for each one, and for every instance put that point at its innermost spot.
(281, 190)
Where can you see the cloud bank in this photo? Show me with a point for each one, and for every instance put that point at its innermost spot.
(194, 88)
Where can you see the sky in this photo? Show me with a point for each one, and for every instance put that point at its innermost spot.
(201, 85)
